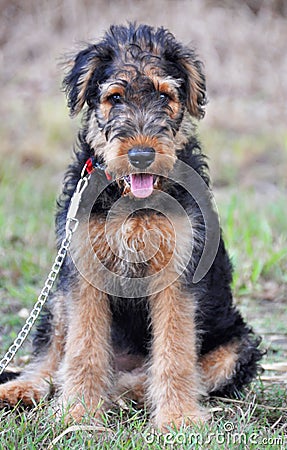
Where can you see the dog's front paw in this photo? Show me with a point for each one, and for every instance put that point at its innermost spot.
(76, 410)
(13, 392)
(75, 413)
(165, 421)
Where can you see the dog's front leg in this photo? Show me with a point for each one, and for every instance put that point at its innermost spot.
(85, 376)
(174, 388)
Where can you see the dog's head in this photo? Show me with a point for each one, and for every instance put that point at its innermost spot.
(139, 85)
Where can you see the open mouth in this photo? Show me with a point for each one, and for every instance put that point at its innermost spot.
(141, 185)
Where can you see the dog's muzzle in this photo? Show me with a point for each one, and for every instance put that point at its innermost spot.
(140, 183)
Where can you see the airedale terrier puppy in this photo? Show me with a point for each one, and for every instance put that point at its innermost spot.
(130, 316)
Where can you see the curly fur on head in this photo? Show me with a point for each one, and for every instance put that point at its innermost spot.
(140, 48)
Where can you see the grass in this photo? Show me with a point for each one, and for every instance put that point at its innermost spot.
(238, 424)
(254, 229)
(256, 242)
(26, 240)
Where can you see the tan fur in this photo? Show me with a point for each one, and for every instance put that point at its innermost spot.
(215, 369)
(168, 85)
(132, 386)
(149, 238)
(219, 365)
(85, 375)
(83, 84)
(173, 384)
(195, 90)
(109, 89)
(94, 136)
(116, 152)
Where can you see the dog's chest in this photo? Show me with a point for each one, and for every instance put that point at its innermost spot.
(129, 246)
(139, 245)
(134, 257)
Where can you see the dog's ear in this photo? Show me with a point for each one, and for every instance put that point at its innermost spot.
(80, 71)
(195, 86)
(190, 70)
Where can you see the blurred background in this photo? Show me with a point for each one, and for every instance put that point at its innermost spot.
(243, 47)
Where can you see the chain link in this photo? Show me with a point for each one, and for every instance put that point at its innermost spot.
(71, 226)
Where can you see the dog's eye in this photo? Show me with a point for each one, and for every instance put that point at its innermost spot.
(164, 97)
(115, 99)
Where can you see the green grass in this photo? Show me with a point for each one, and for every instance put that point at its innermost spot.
(235, 424)
(27, 198)
(254, 230)
(255, 238)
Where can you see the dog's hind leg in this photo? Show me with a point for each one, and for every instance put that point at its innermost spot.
(229, 367)
(132, 385)
(36, 381)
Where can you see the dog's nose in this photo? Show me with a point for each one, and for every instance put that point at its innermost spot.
(141, 157)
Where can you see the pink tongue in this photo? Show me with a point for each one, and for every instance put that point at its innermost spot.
(141, 184)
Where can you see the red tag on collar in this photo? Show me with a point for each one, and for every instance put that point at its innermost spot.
(90, 166)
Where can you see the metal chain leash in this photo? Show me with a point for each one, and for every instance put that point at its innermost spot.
(71, 226)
